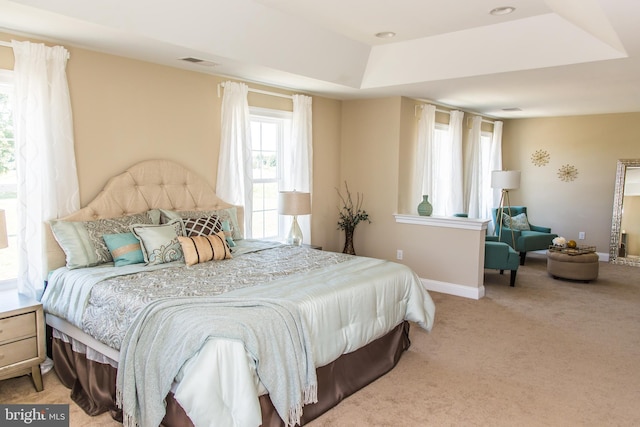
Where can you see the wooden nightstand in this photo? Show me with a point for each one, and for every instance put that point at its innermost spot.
(22, 338)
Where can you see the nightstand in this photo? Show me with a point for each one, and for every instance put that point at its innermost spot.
(22, 338)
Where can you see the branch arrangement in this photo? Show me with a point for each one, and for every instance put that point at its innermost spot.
(350, 214)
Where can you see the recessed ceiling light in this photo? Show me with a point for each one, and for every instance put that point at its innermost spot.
(504, 10)
(385, 34)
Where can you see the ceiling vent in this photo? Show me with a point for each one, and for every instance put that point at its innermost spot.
(199, 61)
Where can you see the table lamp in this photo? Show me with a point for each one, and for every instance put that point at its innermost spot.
(294, 203)
(505, 180)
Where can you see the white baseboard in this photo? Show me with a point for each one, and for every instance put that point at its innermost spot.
(453, 289)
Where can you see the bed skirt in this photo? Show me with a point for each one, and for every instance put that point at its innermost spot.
(93, 384)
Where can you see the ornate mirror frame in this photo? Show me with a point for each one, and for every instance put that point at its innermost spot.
(617, 213)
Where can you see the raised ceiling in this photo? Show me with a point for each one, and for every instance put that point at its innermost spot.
(547, 58)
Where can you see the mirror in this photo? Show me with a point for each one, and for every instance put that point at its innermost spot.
(625, 225)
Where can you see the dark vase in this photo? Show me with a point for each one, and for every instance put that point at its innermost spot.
(348, 241)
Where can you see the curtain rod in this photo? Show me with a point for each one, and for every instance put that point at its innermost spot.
(449, 112)
(263, 92)
(8, 44)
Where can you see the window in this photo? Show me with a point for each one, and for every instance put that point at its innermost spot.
(443, 166)
(486, 192)
(8, 182)
(269, 129)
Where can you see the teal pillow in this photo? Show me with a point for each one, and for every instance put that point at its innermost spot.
(160, 243)
(228, 233)
(125, 248)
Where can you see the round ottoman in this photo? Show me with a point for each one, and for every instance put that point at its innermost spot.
(575, 267)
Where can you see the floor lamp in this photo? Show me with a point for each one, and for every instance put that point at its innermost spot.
(294, 203)
(505, 181)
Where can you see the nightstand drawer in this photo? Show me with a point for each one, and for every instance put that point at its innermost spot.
(17, 327)
(18, 351)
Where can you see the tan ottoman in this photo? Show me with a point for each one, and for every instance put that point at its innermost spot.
(575, 267)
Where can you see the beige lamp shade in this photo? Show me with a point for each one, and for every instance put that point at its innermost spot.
(505, 180)
(294, 203)
(4, 240)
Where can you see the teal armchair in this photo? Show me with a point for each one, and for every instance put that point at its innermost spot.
(534, 239)
(500, 256)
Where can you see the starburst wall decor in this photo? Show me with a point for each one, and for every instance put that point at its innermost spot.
(540, 158)
(567, 173)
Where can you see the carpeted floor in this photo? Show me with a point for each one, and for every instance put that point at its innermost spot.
(545, 353)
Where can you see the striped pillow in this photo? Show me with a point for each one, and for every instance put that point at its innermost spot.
(199, 249)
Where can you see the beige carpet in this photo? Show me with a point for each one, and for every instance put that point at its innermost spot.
(545, 353)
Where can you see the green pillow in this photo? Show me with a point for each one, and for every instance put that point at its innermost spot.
(125, 248)
(82, 241)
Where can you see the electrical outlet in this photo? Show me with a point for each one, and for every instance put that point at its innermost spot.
(399, 254)
(581, 235)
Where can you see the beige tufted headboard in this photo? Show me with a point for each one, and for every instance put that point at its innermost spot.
(151, 184)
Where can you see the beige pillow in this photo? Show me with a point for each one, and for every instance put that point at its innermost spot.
(197, 249)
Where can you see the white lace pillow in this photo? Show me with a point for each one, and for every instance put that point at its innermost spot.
(160, 243)
(518, 222)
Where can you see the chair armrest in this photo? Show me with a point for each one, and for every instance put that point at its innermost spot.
(489, 238)
(540, 229)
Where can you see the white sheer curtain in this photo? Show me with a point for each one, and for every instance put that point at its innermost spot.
(45, 164)
(234, 180)
(439, 162)
(298, 158)
(483, 155)
(454, 198)
(473, 169)
(424, 153)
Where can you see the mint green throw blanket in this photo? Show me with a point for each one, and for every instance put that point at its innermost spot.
(168, 332)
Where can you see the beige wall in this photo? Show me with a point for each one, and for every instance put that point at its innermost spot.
(126, 111)
(592, 144)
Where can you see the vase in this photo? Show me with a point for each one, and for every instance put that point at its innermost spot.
(425, 208)
(348, 241)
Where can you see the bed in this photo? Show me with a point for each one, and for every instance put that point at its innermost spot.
(213, 329)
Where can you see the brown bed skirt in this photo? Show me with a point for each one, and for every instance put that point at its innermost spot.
(93, 384)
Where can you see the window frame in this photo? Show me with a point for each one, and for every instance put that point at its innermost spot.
(283, 120)
(6, 86)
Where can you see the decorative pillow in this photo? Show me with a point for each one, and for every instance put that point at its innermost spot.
(82, 241)
(204, 226)
(518, 222)
(160, 242)
(125, 248)
(228, 233)
(199, 249)
(228, 214)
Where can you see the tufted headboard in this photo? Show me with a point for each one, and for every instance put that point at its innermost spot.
(151, 184)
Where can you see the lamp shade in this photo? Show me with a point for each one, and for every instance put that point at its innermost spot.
(505, 180)
(294, 203)
(4, 240)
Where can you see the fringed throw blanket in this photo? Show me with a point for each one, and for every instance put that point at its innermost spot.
(168, 332)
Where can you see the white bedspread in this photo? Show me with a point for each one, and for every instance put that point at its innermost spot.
(346, 306)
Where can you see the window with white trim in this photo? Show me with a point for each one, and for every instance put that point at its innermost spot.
(269, 131)
(8, 183)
